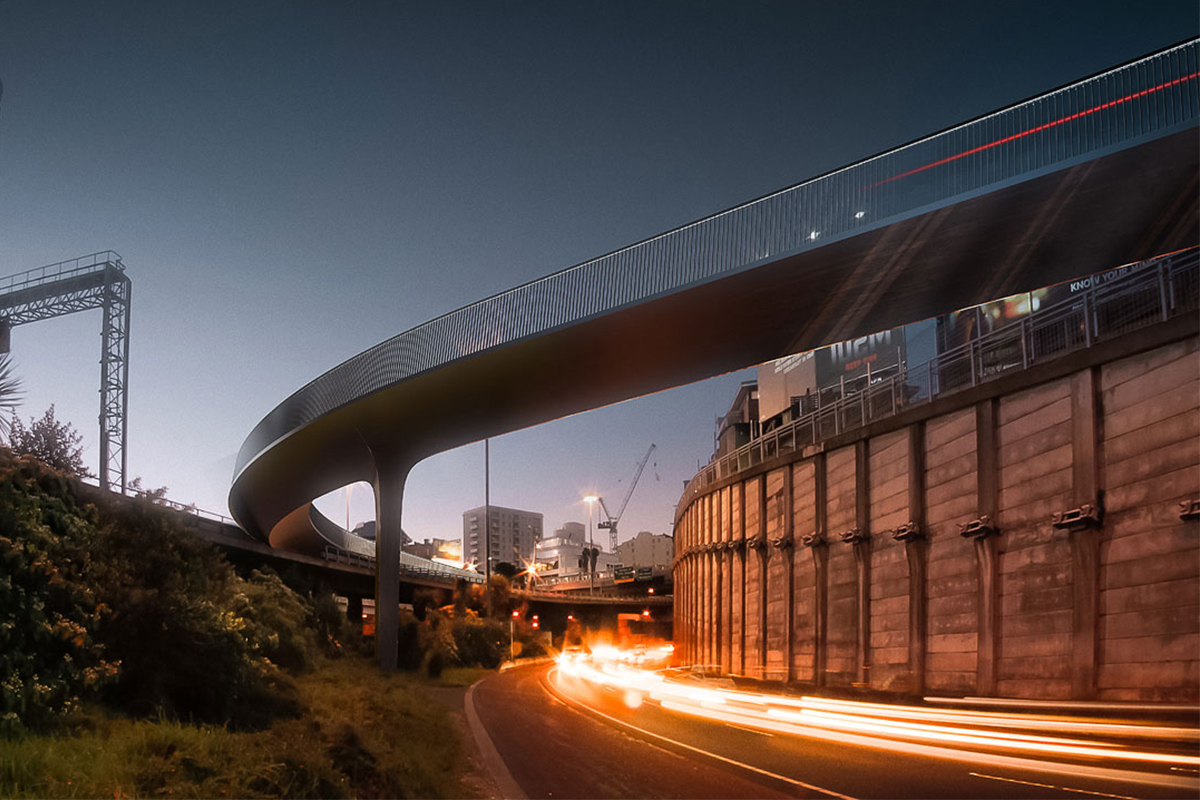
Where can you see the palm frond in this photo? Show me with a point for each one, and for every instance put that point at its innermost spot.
(10, 392)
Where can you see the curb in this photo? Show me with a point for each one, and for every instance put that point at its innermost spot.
(492, 761)
(525, 662)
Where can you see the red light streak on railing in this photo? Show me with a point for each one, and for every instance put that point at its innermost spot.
(1039, 128)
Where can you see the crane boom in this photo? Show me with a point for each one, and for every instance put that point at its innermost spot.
(611, 522)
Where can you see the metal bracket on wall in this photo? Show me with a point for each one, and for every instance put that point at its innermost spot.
(908, 532)
(1077, 519)
(757, 543)
(1189, 509)
(813, 540)
(782, 542)
(853, 536)
(978, 528)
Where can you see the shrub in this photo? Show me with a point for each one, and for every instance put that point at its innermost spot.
(330, 625)
(85, 587)
(480, 642)
(276, 621)
(48, 659)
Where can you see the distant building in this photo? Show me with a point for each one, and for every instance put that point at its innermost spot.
(423, 549)
(558, 556)
(740, 423)
(449, 550)
(647, 550)
(572, 532)
(366, 530)
(514, 535)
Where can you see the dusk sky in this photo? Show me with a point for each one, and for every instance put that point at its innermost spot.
(290, 183)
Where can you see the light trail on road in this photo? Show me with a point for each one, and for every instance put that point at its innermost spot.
(1151, 755)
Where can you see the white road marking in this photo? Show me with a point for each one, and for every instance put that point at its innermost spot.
(748, 730)
(1050, 786)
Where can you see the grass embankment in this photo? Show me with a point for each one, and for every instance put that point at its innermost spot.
(136, 662)
(362, 733)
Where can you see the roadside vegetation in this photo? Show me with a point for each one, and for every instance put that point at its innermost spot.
(136, 662)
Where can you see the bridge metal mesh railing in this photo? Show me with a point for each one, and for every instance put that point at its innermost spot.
(1151, 97)
(409, 565)
(1148, 293)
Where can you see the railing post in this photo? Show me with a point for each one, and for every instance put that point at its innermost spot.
(1164, 291)
(1088, 307)
(971, 348)
(1023, 330)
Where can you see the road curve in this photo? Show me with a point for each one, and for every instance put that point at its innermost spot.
(807, 762)
(551, 749)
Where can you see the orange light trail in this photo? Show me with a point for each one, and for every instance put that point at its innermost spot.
(951, 733)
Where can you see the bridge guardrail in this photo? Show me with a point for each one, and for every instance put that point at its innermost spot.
(409, 565)
(1152, 291)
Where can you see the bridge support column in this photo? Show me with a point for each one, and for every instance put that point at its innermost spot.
(390, 476)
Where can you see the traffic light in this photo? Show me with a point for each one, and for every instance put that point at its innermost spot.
(535, 621)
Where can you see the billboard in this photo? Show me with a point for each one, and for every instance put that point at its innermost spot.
(781, 380)
(878, 353)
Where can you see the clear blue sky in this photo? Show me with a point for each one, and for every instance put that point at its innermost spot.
(291, 182)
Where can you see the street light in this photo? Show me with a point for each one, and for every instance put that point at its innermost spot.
(591, 501)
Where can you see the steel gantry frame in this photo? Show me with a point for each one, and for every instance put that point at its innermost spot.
(80, 284)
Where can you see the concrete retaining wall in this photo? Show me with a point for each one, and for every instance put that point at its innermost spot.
(845, 565)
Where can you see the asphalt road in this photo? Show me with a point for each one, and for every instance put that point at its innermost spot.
(563, 737)
(554, 750)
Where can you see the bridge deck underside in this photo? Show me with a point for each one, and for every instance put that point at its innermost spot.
(1122, 207)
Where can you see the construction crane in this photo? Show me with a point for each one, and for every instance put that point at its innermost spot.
(610, 524)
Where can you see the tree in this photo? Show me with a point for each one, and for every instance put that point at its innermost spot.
(156, 496)
(56, 444)
(10, 392)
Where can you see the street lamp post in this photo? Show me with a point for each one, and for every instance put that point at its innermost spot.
(591, 561)
(512, 636)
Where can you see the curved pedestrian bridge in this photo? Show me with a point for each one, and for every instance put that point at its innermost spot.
(1101, 171)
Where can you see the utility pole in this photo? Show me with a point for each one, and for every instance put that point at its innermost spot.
(487, 525)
